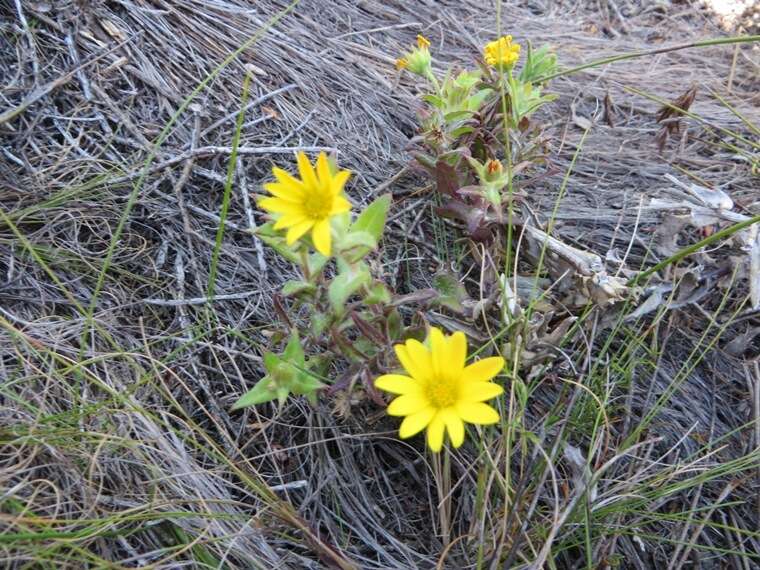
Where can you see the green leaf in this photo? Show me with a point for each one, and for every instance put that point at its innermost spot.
(395, 325)
(306, 384)
(467, 79)
(538, 63)
(294, 351)
(319, 323)
(358, 243)
(316, 263)
(476, 101)
(457, 115)
(377, 293)
(271, 360)
(341, 222)
(265, 390)
(277, 242)
(349, 281)
(372, 219)
(287, 373)
(291, 288)
(456, 133)
(365, 346)
(435, 101)
(451, 292)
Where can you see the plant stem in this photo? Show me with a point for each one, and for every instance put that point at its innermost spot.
(725, 232)
(635, 54)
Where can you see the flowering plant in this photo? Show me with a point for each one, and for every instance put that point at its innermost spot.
(353, 315)
(465, 119)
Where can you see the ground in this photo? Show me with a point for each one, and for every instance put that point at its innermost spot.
(119, 370)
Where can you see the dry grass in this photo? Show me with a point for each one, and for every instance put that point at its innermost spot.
(117, 448)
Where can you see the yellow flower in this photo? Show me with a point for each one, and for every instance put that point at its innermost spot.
(422, 42)
(402, 63)
(309, 203)
(501, 53)
(440, 391)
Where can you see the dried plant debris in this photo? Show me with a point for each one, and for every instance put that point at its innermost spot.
(119, 448)
(579, 273)
(692, 205)
(669, 116)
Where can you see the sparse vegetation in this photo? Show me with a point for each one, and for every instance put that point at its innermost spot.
(200, 347)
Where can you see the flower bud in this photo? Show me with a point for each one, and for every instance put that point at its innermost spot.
(493, 169)
(417, 60)
(502, 53)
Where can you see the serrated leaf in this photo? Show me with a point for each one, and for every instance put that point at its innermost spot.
(372, 219)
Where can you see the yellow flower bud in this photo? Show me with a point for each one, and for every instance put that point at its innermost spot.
(422, 42)
(502, 53)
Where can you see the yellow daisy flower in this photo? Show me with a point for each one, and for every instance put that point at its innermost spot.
(309, 203)
(440, 391)
(501, 53)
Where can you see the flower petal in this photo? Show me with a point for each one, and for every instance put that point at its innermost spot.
(295, 232)
(280, 206)
(454, 426)
(284, 192)
(480, 391)
(439, 352)
(397, 384)
(415, 423)
(323, 172)
(435, 433)
(288, 180)
(339, 181)
(289, 220)
(457, 350)
(483, 370)
(321, 237)
(476, 413)
(340, 205)
(419, 360)
(407, 404)
(307, 172)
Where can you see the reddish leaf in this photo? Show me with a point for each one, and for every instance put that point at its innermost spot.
(446, 179)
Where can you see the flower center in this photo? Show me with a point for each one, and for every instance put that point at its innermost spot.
(442, 393)
(317, 205)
